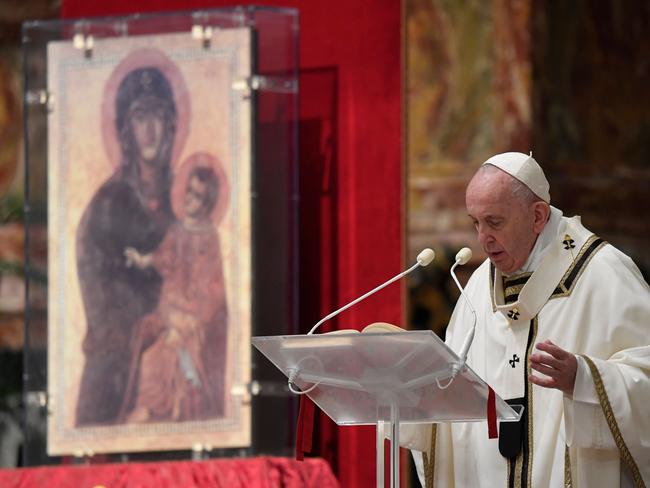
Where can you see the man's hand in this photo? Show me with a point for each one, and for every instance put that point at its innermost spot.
(558, 366)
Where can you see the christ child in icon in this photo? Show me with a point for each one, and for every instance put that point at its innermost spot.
(172, 375)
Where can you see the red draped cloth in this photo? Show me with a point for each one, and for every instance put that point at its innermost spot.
(261, 472)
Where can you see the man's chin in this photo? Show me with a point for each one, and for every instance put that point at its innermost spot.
(502, 263)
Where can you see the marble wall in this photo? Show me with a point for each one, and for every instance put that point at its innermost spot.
(566, 80)
(468, 96)
(591, 115)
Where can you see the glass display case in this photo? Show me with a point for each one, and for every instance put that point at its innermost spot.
(161, 211)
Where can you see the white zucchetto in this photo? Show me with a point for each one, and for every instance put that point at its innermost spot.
(524, 168)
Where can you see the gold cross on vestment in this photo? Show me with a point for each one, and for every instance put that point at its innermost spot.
(568, 242)
(513, 314)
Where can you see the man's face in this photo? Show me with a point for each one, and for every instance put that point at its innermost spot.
(195, 196)
(147, 126)
(505, 224)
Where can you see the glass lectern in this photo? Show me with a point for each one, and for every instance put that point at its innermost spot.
(376, 378)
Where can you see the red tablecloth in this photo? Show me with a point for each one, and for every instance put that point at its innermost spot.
(261, 472)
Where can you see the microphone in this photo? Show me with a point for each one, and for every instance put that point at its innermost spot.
(423, 259)
(463, 256)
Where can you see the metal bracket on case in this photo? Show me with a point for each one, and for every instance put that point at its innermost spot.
(203, 33)
(39, 399)
(201, 451)
(40, 97)
(275, 84)
(84, 42)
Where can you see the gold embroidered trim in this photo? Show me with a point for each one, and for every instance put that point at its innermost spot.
(509, 279)
(625, 454)
(513, 290)
(561, 290)
(429, 465)
(529, 407)
(518, 468)
(512, 285)
(511, 293)
(491, 271)
(568, 483)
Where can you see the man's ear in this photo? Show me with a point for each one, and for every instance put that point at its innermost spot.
(541, 212)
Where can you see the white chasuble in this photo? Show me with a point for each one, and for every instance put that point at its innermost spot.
(590, 299)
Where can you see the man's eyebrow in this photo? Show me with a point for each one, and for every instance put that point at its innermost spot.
(489, 217)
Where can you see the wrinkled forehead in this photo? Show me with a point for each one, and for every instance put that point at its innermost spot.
(490, 209)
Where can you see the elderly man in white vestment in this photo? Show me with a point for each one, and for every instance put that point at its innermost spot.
(563, 328)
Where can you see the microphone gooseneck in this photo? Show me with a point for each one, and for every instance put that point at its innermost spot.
(463, 256)
(423, 259)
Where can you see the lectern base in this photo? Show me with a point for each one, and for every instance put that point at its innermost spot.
(393, 425)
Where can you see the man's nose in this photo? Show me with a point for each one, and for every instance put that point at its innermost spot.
(484, 235)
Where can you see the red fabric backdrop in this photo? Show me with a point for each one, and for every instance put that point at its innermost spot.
(351, 173)
(264, 472)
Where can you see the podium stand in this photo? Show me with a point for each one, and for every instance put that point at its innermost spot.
(383, 379)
